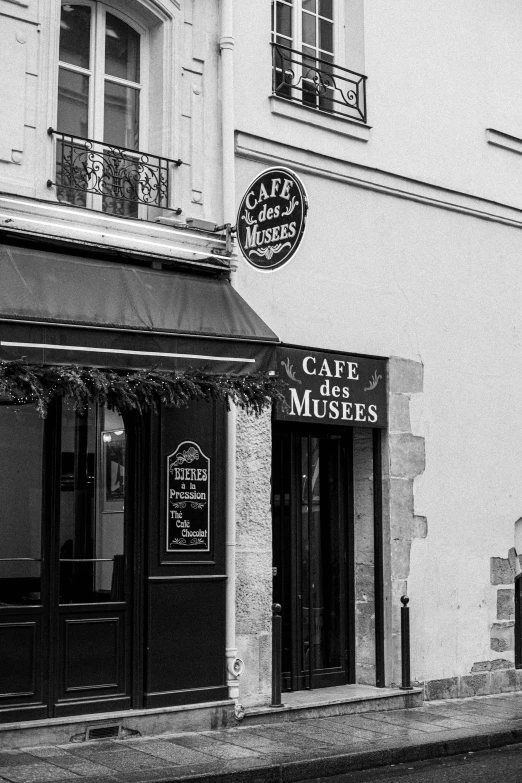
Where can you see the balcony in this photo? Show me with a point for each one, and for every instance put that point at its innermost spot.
(318, 84)
(114, 180)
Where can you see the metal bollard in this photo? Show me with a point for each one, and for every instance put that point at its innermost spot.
(405, 644)
(277, 648)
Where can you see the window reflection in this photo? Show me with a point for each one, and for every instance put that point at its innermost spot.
(21, 448)
(92, 506)
(122, 50)
(91, 511)
(321, 523)
(75, 35)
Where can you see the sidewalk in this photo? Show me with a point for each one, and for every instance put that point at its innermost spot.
(290, 751)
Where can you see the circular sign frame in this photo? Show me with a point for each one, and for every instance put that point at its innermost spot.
(271, 218)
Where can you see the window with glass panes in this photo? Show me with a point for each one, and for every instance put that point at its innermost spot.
(307, 27)
(99, 85)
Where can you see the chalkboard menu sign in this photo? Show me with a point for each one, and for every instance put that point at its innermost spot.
(188, 499)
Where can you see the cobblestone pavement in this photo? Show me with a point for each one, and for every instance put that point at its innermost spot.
(286, 751)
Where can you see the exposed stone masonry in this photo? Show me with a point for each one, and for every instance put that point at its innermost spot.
(499, 674)
(405, 461)
(254, 556)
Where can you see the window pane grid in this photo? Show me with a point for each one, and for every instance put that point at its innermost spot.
(122, 50)
(303, 65)
(74, 68)
(123, 82)
(282, 25)
(100, 100)
(317, 33)
(75, 34)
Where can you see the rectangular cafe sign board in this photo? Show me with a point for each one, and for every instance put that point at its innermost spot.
(332, 388)
(188, 499)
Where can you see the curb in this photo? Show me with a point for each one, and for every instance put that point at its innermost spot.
(447, 743)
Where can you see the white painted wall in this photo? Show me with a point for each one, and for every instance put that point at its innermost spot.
(439, 74)
(182, 116)
(376, 273)
(380, 275)
(385, 275)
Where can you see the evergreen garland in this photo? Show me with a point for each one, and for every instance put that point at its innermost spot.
(140, 390)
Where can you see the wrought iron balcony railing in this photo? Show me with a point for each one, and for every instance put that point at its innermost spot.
(318, 83)
(115, 179)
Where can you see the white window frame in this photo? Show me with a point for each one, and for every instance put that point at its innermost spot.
(96, 71)
(98, 77)
(338, 28)
(347, 68)
(158, 21)
(297, 44)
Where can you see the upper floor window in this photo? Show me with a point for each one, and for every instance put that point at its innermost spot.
(101, 117)
(306, 35)
(99, 85)
(307, 25)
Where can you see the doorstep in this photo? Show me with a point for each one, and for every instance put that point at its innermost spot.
(130, 723)
(326, 702)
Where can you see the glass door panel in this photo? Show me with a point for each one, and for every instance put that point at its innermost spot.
(92, 490)
(65, 634)
(109, 539)
(93, 629)
(304, 593)
(311, 524)
(21, 439)
(22, 630)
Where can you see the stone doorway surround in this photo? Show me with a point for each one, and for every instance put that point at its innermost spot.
(403, 460)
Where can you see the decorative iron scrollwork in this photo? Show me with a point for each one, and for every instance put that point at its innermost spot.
(317, 83)
(124, 178)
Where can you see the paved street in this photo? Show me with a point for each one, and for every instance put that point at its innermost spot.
(297, 750)
(504, 764)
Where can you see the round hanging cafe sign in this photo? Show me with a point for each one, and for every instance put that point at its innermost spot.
(271, 218)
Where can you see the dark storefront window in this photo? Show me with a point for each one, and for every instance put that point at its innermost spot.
(21, 451)
(92, 489)
(64, 549)
(83, 521)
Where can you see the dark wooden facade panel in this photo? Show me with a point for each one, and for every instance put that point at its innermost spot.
(19, 653)
(204, 424)
(85, 639)
(186, 638)
(185, 659)
(162, 641)
(88, 640)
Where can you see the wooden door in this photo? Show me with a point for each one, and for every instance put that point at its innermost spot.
(185, 660)
(24, 630)
(313, 554)
(90, 615)
(65, 584)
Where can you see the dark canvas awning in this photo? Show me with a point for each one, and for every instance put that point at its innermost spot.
(56, 308)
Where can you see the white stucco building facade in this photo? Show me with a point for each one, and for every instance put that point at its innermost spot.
(411, 251)
(403, 124)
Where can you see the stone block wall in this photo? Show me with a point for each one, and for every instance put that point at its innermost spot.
(405, 460)
(502, 632)
(487, 677)
(364, 556)
(499, 674)
(254, 557)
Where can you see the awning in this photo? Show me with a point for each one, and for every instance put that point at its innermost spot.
(57, 308)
